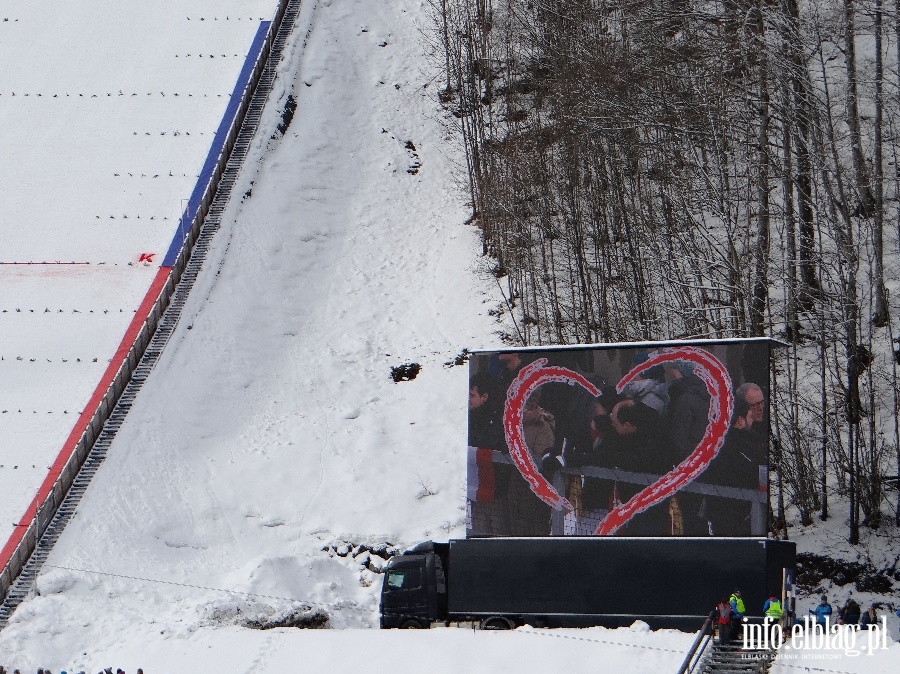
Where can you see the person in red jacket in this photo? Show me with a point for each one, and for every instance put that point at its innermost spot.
(723, 619)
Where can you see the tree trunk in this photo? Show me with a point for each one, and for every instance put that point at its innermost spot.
(881, 313)
(802, 119)
(863, 182)
(761, 251)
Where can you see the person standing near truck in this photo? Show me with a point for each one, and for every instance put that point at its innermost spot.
(723, 619)
(737, 611)
(772, 610)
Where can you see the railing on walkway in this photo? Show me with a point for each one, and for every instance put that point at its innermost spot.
(756, 498)
(695, 655)
(47, 508)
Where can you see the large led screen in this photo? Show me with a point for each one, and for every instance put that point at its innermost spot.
(666, 439)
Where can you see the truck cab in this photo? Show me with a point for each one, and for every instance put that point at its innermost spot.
(414, 589)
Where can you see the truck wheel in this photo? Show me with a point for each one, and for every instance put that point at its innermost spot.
(495, 623)
(411, 625)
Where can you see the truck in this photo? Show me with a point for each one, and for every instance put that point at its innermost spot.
(506, 582)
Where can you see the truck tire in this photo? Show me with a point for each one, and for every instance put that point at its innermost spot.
(411, 625)
(496, 623)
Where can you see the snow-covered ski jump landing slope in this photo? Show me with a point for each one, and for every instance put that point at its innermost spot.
(112, 124)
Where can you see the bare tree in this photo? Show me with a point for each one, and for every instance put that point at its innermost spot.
(866, 207)
(881, 314)
(638, 168)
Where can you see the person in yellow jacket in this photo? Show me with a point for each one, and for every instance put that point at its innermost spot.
(737, 612)
(772, 608)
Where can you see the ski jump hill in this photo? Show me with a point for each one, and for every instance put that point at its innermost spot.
(121, 140)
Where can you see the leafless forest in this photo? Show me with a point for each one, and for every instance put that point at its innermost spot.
(668, 169)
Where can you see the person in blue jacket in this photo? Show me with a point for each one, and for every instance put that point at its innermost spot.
(822, 611)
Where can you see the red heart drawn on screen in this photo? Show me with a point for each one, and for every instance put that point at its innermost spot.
(707, 368)
(526, 382)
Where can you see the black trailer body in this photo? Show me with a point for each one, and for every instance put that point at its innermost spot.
(575, 581)
(618, 579)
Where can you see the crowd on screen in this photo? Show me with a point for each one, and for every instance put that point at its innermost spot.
(651, 425)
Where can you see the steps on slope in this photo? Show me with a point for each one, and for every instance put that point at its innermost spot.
(730, 658)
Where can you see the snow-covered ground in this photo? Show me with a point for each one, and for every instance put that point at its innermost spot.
(270, 454)
(107, 118)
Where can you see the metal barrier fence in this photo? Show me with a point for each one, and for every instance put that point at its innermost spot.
(47, 509)
(516, 511)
